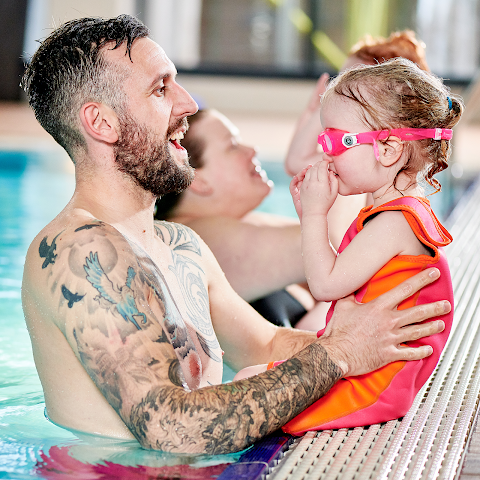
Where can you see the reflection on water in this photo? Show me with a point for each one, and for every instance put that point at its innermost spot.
(61, 462)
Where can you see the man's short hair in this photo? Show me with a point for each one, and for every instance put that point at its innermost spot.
(69, 70)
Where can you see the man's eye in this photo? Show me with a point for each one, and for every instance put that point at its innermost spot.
(160, 90)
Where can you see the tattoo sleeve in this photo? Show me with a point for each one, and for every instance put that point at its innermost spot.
(230, 417)
(133, 343)
(217, 419)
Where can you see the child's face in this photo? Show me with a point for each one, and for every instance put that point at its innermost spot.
(357, 168)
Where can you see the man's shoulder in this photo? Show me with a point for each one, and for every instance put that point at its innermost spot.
(81, 230)
(79, 268)
(178, 237)
(63, 247)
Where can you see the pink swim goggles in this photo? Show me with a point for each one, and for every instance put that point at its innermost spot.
(335, 142)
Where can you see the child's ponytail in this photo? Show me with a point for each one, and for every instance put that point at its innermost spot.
(440, 150)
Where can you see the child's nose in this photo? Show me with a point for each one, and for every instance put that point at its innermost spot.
(328, 158)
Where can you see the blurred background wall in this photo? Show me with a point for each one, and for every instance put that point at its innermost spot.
(269, 39)
(256, 60)
(12, 27)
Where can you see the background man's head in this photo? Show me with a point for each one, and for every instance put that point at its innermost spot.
(372, 50)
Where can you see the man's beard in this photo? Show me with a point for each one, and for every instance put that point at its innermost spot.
(148, 161)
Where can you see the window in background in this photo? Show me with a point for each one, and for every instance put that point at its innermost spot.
(303, 38)
(450, 29)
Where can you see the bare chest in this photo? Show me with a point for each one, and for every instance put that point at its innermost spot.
(183, 288)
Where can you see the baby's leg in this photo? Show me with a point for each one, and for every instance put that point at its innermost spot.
(250, 371)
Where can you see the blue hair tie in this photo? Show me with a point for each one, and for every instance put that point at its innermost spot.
(449, 103)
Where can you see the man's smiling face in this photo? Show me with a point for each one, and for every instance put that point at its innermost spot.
(149, 149)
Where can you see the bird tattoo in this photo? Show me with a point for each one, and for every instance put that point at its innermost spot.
(71, 297)
(47, 251)
(121, 298)
(89, 226)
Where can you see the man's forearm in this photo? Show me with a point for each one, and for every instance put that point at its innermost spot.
(228, 418)
(288, 342)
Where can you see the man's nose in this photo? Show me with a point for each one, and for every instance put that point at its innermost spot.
(184, 105)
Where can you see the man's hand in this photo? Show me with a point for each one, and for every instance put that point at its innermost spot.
(361, 338)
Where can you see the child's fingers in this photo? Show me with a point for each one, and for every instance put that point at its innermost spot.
(301, 175)
(294, 180)
(309, 173)
(322, 170)
(317, 173)
(294, 186)
(333, 183)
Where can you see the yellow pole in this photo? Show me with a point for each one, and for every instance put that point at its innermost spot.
(367, 17)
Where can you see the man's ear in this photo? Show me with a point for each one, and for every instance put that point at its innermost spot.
(390, 151)
(99, 121)
(201, 185)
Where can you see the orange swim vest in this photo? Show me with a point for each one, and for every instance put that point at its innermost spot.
(388, 392)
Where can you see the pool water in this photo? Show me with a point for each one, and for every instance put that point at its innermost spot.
(34, 187)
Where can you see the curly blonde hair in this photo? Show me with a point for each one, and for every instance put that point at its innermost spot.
(398, 94)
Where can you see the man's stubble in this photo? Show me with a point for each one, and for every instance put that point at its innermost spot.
(148, 161)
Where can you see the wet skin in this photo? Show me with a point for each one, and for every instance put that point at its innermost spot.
(127, 317)
(153, 367)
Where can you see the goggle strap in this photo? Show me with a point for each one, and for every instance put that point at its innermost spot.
(407, 134)
(418, 133)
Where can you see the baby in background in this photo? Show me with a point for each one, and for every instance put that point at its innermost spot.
(403, 118)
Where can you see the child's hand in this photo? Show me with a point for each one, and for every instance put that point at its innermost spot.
(318, 190)
(295, 186)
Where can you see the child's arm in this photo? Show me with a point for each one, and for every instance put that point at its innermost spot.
(383, 237)
(255, 370)
(314, 192)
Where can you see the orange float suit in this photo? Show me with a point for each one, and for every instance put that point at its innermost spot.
(388, 392)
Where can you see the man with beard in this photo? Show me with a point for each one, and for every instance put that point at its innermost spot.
(139, 154)
(128, 319)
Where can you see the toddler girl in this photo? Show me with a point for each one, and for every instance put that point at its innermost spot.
(387, 129)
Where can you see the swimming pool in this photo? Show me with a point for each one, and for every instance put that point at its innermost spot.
(34, 187)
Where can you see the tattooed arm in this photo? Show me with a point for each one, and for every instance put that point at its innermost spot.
(123, 315)
(124, 318)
